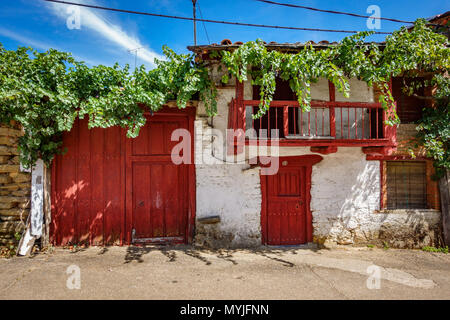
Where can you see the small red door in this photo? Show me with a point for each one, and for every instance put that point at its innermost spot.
(157, 189)
(286, 214)
(286, 218)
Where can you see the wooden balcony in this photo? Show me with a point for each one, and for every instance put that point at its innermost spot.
(328, 123)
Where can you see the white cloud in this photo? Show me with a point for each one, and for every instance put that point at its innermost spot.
(113, 33)
(25, 41)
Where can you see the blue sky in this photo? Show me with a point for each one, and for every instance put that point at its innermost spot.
(105, 37)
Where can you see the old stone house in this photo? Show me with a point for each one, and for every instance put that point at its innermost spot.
(344, 176)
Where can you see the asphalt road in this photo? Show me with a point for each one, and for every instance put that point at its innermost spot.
(186, 273)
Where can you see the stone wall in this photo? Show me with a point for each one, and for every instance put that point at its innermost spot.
(15, 187)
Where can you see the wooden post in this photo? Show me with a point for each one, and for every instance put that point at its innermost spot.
(332, 93)
(390, 132)
(35, 223)
(444, 187)
(45, 238)
(286, 121)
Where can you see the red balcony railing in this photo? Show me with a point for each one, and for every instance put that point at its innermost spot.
(327, 123)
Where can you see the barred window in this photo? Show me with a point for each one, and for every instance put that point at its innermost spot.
(406, 185)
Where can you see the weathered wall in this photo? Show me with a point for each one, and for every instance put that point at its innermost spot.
(15, 187)
(230, 191)
(406, 140)
(345, 192)
(345, 203)
(233, 194)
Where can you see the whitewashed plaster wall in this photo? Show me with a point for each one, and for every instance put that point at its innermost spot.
(228, 190)
(345, 205)
(345, 194)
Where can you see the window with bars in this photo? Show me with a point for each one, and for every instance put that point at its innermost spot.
(406, 185)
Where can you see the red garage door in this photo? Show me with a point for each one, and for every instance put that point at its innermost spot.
(110, 190)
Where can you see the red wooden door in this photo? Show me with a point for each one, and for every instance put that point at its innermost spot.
(286, 214)
(157, 189)
(106, 185)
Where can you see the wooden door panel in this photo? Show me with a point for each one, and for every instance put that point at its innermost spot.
(158, 187)
(286, 212)
(88, 187)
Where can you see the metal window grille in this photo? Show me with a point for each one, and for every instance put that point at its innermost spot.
(406, 185)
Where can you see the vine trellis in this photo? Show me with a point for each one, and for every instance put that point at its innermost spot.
(46, 92)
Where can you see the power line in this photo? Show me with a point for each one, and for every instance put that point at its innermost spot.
(207, 20)
(337, 12)
(204, 25)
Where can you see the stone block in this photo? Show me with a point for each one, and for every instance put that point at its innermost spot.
(16, 212)
(6, 151)
(21, 193)
(4, 178)
(9, 199)
(16, 186)
(9, 132)
(20, 177)
(7, 205)
(8, 168)
(10, 227)
(13, 218)
(8, 141)
(4, 159)
(209, 220)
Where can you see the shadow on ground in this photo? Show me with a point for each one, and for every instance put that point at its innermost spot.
(136, 253)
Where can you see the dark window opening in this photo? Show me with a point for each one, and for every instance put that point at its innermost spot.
(282, 92)
(376, 123)
(409, 108)
(406, 185)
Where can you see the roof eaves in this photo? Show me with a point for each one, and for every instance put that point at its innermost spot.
(228, 45)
